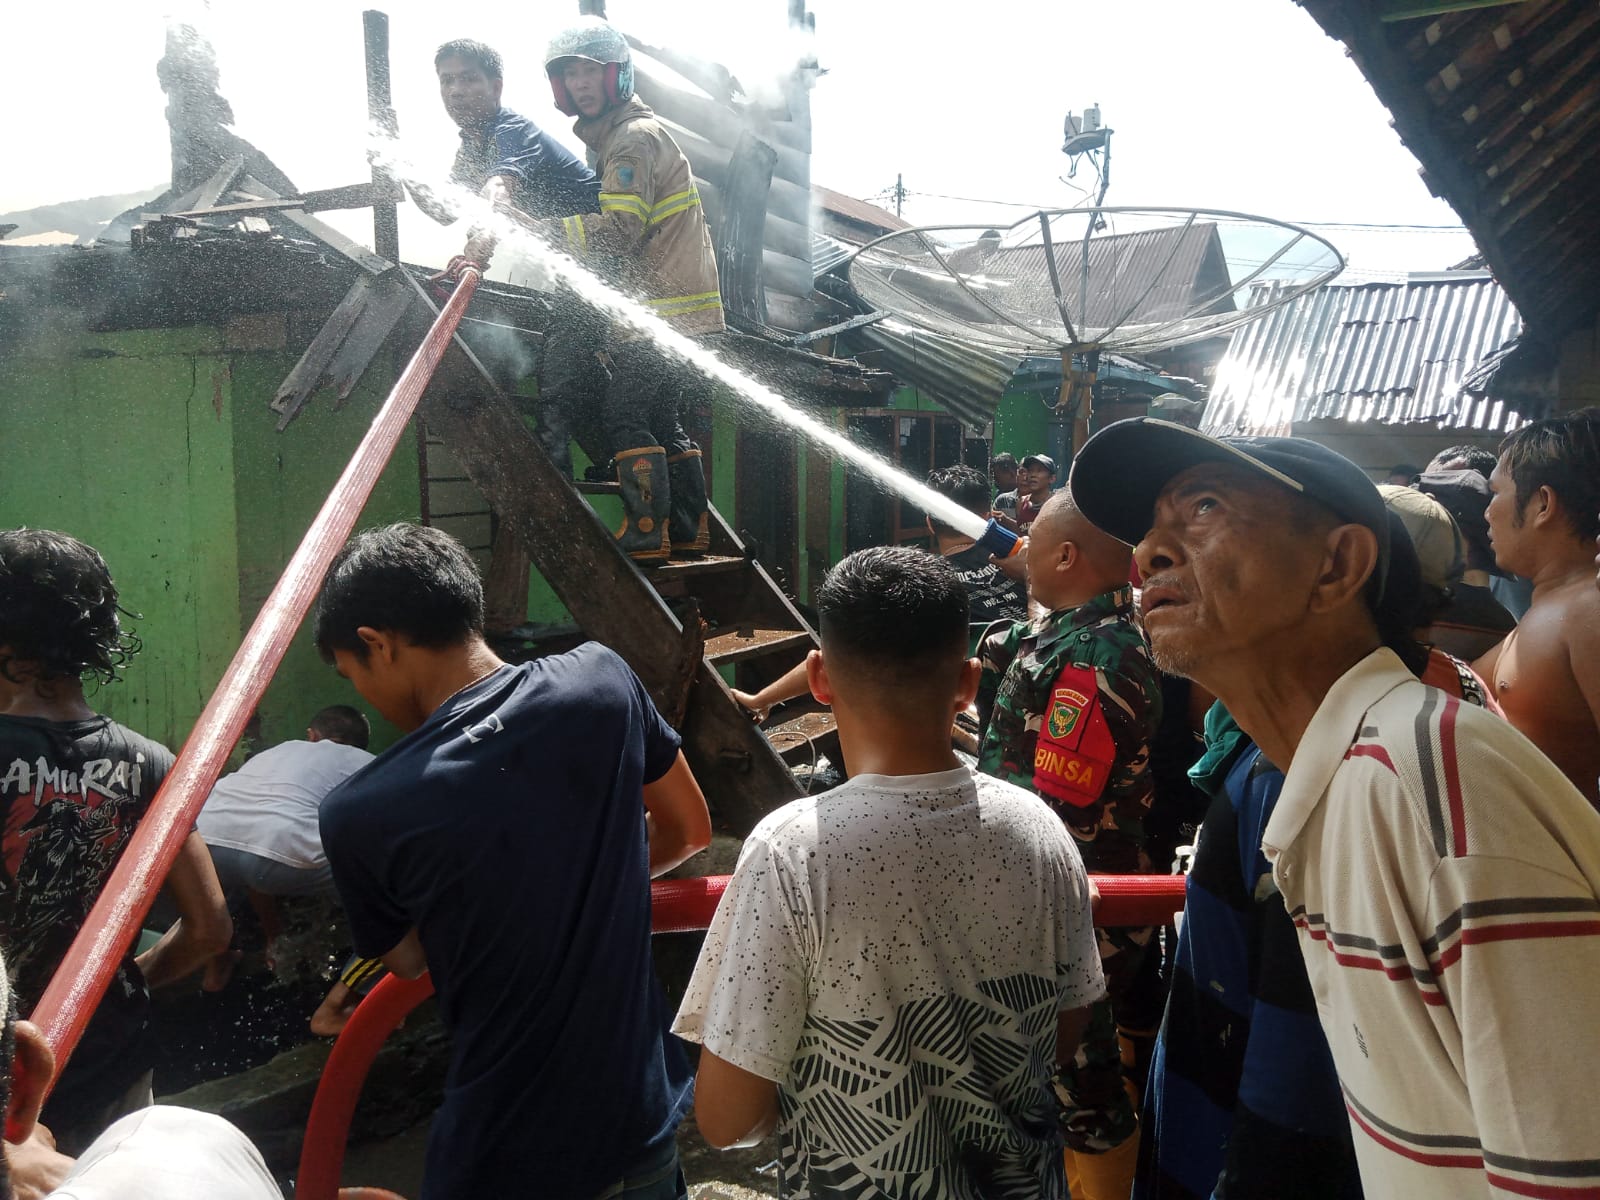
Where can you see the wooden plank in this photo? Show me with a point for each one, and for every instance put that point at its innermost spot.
(307, 374)
(389, 298)
(353, 195)
(738, 644)
(871, 318)
(371, 263)
(217, 186)
(804, 738)
(711, 564)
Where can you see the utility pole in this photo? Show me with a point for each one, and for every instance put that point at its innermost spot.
(899, 193)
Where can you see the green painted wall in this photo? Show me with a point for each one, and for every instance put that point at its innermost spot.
(1022, 425)
(280, 481)
(125, 440)
(158, 448)
(724, 441)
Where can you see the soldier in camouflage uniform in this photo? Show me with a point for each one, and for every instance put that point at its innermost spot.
(1070, 703)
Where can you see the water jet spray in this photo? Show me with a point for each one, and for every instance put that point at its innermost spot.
(544, 254)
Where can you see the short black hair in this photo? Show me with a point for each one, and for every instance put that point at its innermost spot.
(964, 485)
(1471, 458)
(342, 723)
(58, 608)
(1004, 459)
(485, 56)
(1407, 469)
(1563, 454)
(413, 580)
(896, 612)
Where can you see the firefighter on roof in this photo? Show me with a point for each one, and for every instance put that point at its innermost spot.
(649, 238)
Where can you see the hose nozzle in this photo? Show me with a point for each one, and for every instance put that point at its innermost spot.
(998, 540)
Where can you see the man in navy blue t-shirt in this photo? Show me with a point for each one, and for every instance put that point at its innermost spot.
(504, 157)
(506, 843)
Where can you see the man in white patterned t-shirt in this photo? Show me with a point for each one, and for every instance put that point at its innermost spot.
(899, 963)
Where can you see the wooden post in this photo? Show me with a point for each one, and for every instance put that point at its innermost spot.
(385, 217)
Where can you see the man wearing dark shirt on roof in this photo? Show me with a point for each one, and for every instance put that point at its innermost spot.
(523, 172)
(504, 157)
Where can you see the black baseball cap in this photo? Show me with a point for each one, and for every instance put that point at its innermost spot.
(1121, 470)
(1042, 460)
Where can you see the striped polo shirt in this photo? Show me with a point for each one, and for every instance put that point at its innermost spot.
(1443, 876)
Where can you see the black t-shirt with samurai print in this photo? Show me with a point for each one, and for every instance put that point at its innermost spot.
(72, 793)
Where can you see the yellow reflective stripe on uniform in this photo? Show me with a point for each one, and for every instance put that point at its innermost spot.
(577, 235)
(673, 205)
(624, 202)
(687, 303)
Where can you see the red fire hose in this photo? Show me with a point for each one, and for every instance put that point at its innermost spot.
(677, 906)
(81, 979)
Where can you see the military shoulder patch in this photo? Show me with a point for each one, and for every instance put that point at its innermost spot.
(1066, 710)
(625, 176)
(1073, 757)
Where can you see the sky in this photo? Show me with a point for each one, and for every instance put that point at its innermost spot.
(1232, 104)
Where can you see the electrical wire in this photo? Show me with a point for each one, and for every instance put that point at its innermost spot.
(1370, 225)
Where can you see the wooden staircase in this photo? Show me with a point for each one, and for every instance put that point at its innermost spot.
(679, 626)
(751, 632)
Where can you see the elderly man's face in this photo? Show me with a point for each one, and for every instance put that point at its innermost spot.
(1229, 561)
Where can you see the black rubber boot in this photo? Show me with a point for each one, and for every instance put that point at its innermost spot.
(690, 525)
(646, 505)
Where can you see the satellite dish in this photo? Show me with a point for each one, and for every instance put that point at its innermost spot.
(1079, 281)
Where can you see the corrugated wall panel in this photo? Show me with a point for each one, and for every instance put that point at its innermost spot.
(1391, 353)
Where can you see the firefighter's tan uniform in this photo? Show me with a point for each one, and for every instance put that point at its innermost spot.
(650, 220)
(650, 239)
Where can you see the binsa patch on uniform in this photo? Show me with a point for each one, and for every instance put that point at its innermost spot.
(1066, 709)
(1073, 756)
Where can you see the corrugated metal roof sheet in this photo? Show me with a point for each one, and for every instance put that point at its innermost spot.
(962, 378)
(827, 253)
(1390, 353)
(965, 379)
(874, 220)
(1134, 292)
(1133, 278)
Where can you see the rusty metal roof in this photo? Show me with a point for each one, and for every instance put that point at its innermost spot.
(862, 219)
(1501, 105)
(1390, 353)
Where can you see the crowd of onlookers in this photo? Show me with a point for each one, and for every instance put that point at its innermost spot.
(1378, 760)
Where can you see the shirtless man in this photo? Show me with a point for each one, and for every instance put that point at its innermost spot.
(1543, 519)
